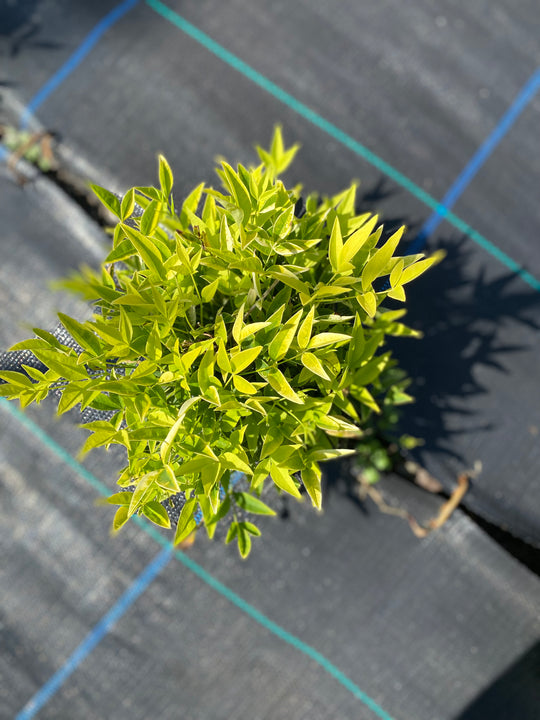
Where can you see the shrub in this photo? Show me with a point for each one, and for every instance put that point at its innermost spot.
(240, 336)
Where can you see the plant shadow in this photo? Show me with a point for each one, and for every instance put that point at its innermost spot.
(464, 307)
(20, 26)
(514, 694)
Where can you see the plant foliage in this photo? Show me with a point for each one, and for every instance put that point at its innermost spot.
(228, 334)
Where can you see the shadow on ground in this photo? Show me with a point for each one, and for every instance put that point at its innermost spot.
(514, 694)
(20, 26)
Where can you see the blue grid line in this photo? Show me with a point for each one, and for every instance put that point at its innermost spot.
(98, 632)
(76, 58)
(525, 96)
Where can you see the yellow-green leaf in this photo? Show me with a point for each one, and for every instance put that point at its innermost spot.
(304, 332)
(279, 383)
(376, 264)
(283, 339)
(368, 302)
(312, 363)
(327, 338)
(241, 360)
(238, 324)
(355, 242)
(335, 246)
(186, 522)
(311, 477)
(120, 518)
(252, 328)
(155, 512)
(284, 480)
(243, 385)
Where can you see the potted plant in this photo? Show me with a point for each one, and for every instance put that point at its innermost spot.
(233, 334)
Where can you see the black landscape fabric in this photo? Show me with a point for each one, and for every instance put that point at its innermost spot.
(441, 628)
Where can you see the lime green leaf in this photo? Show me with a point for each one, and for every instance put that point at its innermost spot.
(108, 199)
(251, 528)
(327, 338)
(243, 385)
(311, 477)
(413, 271)
(330, 454)
(222, 358)
(397, 270)
(312, 363)
(65, 365)
(284, 480)
(240, 361)
(284, 275)
(208, 292)
(252, 504)
(280, 344)
(397, 293)
(252, 328)
(238, 324)
(186, 522)
(155, 512)
(304, 333)
(150, 217)
(166, 444)
(376, 264)
(128, 204)
(120, 518)
(283, 222)
(231, 461)
(279, 383)
(146, 249)
(165, 176)
(357, 240)
(368, 302)
(244, 540)
(335, 246)
(195, 465)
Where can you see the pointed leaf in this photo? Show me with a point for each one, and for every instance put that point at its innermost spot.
(312, 363)
(280, 344)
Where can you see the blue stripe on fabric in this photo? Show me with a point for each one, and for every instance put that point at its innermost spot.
(197, 569)
(98, 632)
(76, 58)
(525, 96)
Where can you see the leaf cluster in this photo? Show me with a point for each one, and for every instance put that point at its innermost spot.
(228, 335)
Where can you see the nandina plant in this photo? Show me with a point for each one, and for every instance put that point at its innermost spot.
(231, 334)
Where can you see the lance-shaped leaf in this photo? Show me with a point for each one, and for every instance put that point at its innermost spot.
(304, 332)
(238, 324)
(282, 341)
(146, 249)
(279, 383)
(311, 478)
(284, 480)
(357, 240)
(243, 385)
(243, 359)
(166, 444)
(186, 522)
(312, 363)
(378, 262)
(327, 338)
(108, 199)
(156, 513)
(252, 504)
(165, 176)
(335, 246)
(413, 271)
